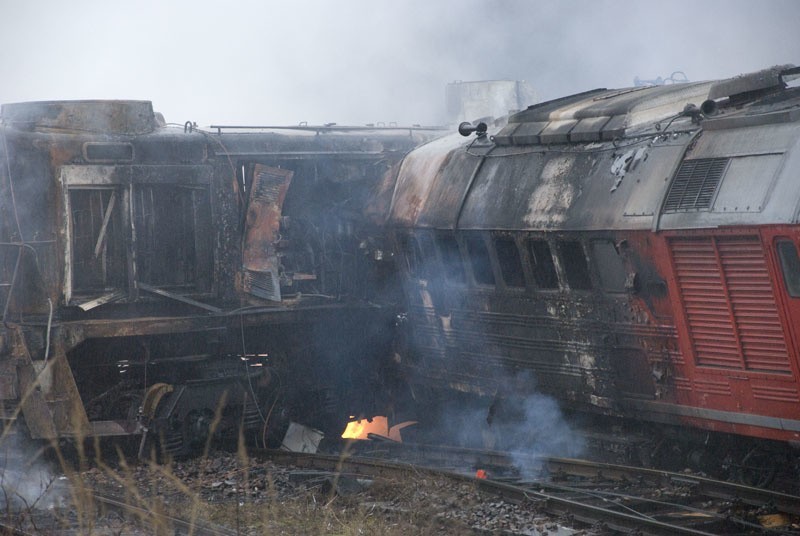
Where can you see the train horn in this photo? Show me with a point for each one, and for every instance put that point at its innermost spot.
(466, 128)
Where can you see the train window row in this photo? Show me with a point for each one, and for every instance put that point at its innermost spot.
(514, 261)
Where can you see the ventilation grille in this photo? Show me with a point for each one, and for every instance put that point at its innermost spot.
(695, 184)
(729, 304)
(262, 284)
(268, 186)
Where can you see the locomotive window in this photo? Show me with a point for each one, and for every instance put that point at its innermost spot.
(408, 248)
(428, 264)
(575, 266)
(509, 260)
(98, 258)
(451, 257)
(173, 236)
(479, 259)
(544, 271)
(609, 265)
(107, 152)
(790, 264)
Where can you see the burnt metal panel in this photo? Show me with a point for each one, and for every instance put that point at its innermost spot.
(746, 83)
(500, 192)
(103, 175)
(259, 255)
(627, 108)
(446, 196)
(102, 116)
(528, 133)
(536, 188)
(566, 190)
(419, 172)
(557, 131)
(588, 129)
(739, 121)
(506, 133)
(542, 111)
(646, 104)
(614, 128)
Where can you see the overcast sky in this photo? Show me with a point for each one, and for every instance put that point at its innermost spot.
(359, 61)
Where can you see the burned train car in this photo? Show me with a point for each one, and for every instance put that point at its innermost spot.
(632, 253)
(159, 278)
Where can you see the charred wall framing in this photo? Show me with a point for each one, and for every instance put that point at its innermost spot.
(132, 224)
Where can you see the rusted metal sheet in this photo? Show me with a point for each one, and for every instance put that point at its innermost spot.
(565, 191)
(49, 398)
(591, 185)
(418, 175)
(117, 116)
(260, 258)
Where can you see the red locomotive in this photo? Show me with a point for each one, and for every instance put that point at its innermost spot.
(633, 253)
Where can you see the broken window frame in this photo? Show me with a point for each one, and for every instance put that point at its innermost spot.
(575, 264)
(452, 258)
(106, 233)
(407, 246)
(509, 260)
(480, 259)
(125, 180)
(608, 265)
(542, 264)
(185, 271)
(429, 266)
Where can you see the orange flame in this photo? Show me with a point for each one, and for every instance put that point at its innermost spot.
(379, 425)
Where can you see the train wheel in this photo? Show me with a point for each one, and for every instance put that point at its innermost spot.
(758, 468)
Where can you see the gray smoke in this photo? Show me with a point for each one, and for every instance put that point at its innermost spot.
(27, 482)
(529, 426)
(362, 61)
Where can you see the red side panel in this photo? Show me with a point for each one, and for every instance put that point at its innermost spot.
(758, 326)
(729, 305)
(740, 369)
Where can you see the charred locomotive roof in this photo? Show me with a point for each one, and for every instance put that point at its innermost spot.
(106, 116)
(701, 154)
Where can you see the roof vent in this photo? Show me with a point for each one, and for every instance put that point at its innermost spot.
(695, 184)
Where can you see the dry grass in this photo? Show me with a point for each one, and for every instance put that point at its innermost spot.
(256, 501)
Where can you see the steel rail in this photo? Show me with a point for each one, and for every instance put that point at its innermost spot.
(716, 489)
(176, 524)
(556, 505)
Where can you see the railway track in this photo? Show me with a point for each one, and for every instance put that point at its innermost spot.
(159, 522)
(515, 467)
(147, 522)
(616, 497)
